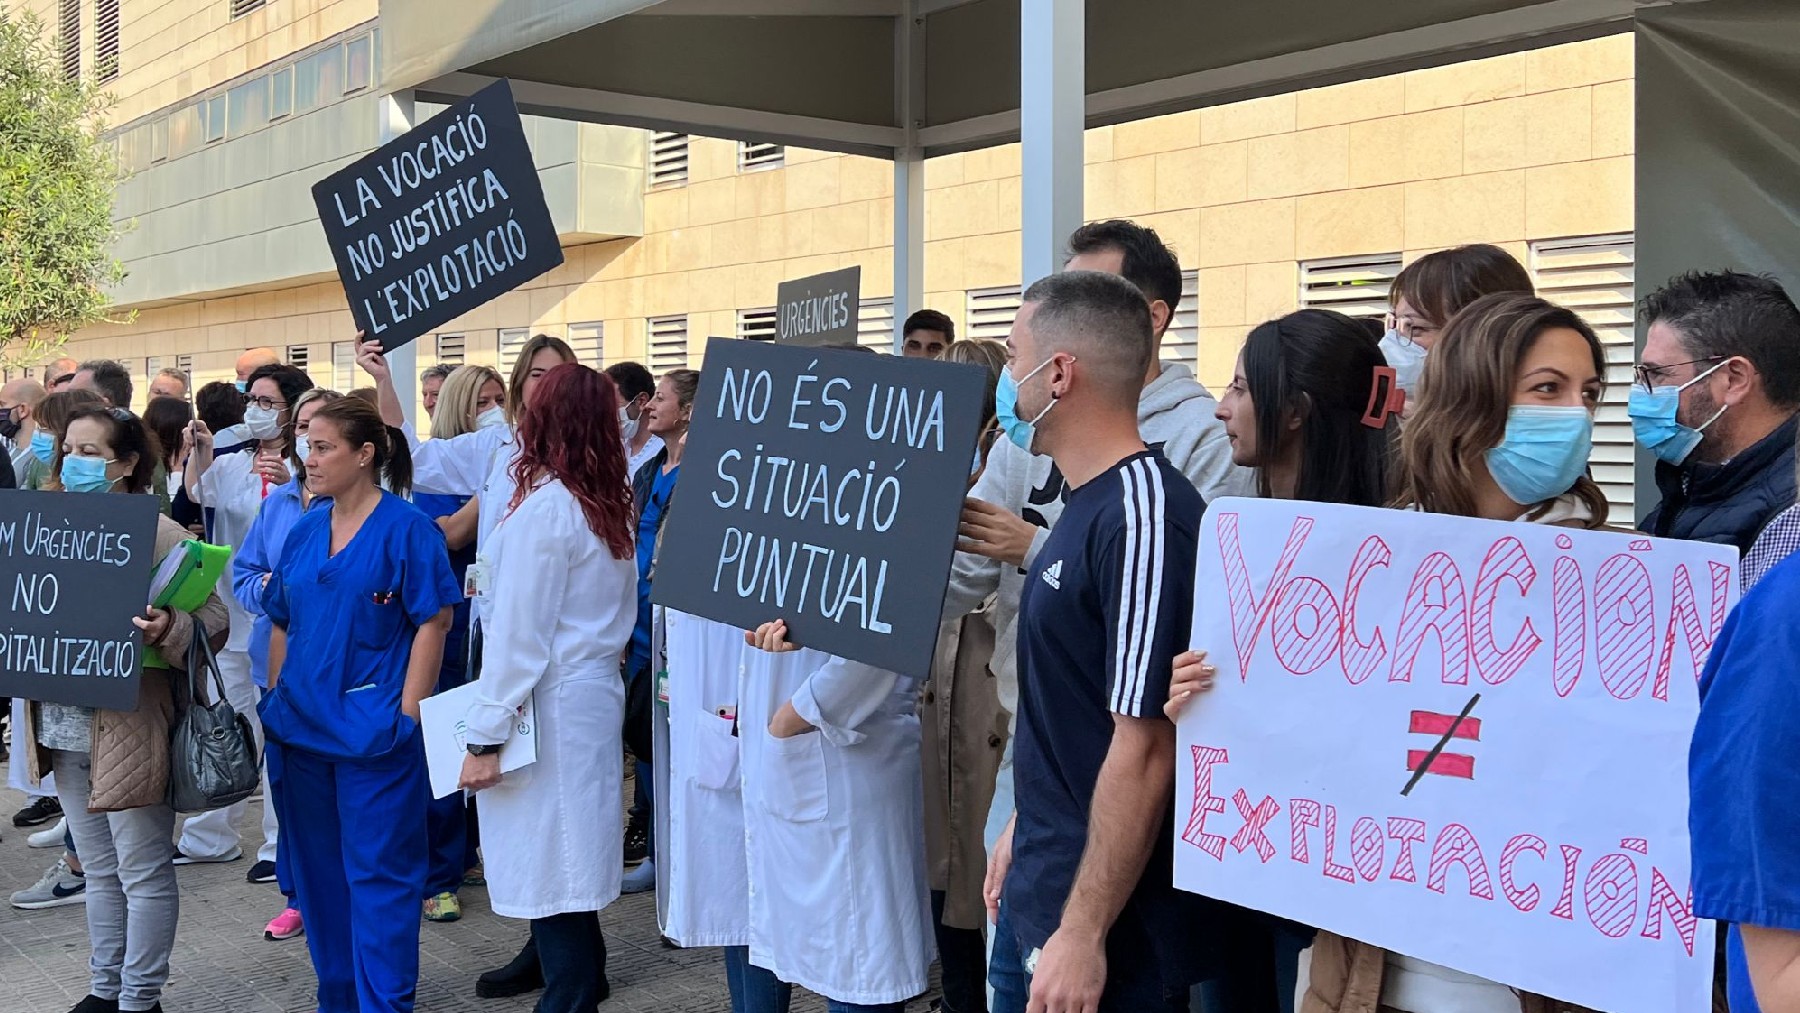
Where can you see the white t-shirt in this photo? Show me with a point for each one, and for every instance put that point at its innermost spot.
(635, 461)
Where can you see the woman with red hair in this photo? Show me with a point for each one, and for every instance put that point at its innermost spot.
(561, 604)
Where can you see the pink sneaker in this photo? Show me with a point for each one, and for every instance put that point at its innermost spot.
(285, 925)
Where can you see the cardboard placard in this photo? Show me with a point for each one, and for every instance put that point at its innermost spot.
(1456, 739)
(820, 310)
(823, 487)
(438, 221)
(75, 568)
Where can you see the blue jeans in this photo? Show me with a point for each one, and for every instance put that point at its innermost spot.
(1006, 969)
(757, 990)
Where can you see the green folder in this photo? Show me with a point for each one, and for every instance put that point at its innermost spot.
(185, 577)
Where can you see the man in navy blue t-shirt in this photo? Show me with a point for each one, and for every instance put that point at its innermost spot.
(1106, 607)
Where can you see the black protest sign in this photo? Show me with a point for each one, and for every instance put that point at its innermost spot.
(820, 310)
(439, 221)
(823, 487)
(75, 568)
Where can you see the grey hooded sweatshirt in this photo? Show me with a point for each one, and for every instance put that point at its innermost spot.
(1175, 413)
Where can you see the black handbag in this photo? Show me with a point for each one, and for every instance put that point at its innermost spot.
(213, 758)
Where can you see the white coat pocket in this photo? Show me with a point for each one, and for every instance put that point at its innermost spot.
(795, 787)
(716, 754)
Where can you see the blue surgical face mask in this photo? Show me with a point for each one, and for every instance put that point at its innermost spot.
(243, 385)
(81, 473)
(43, 446)
(1545, 449)
(1653, 422)
(1406, 356)
(1006, 408)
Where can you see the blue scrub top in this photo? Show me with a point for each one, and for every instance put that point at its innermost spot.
(258, 555)
(1744, 773)
(649, 522)
(350, 621)
(456, 642)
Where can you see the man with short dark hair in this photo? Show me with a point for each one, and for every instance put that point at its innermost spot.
(925, 334)
(1715, 399)
(1106, 606)
(431, 383)
(636, 388)
(170, 382)
(106, 378)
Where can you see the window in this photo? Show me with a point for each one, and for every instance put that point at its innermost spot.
(186, 130)
(298, 356)
(588, 342)
(359, 63)
(668, 159)
(668, 344)
(1181, 342)
(153, 365)
(875, 324)
(1594, 276)
(991, 312)
(159, 139)
(450, 349)
(756, 325)
(281, 93)
(1354, 286)
(753, 155)
(215, 118)
(319, 79)
(68, 34)
(343, 366)
(106, 39)
(511, 340)
(185, 363)
(247, 105)
(239, 8)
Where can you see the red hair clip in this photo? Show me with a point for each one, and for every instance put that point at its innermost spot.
(1386, 399)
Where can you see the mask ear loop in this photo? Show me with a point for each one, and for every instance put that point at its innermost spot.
(1384, 401)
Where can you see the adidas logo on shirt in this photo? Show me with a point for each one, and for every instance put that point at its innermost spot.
(1053, 575)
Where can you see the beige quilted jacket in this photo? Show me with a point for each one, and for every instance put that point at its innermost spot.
(130, 753)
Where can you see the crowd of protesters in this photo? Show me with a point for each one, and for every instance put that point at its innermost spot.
(828, 824)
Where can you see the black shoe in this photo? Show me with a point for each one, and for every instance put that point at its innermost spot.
(41, 810)
(637, 840)
(261, 872)
(95, 1004)
(521, 975)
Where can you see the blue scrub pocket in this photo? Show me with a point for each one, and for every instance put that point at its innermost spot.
(380, 619)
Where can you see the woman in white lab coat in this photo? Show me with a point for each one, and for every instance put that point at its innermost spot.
(562, 600)
(705, 885)
(834, 820)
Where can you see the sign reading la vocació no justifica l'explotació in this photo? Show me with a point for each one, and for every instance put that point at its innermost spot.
(439, 221)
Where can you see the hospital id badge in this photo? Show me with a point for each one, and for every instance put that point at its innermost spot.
(475, 580)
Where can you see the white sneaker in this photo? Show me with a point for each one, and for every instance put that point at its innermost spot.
(59, 886)
(641, 879)
(51, 837)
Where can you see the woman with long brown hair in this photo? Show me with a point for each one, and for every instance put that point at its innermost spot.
(562, 602)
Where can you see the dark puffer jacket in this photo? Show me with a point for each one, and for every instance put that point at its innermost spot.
(1730, 503)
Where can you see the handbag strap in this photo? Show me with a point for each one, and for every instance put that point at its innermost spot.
(200, 652)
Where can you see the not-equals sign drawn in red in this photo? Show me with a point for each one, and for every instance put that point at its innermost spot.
(1445, 727)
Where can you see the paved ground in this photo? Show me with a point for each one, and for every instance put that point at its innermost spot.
(222, 964)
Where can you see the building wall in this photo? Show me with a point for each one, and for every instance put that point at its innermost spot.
(1511, 150)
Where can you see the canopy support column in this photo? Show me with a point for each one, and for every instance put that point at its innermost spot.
(1052, 99)
(396, 117)
(909, 172)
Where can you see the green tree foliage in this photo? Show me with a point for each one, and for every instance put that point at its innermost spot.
(57, 177)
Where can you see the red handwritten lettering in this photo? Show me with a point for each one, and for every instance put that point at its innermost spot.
(1205, 757)
(1248, 616)
(1455, 845)
(1338, 872)
(1367, 848)
(1526, 899)
(1665, 901)
(1434, 603)
(1565, 904)
(1611, 893)
(1624, 625)
(1307, 626)
(1251, 835)
(1569, 610)
(1359, 659)
(1406, 832)
(1505, 561)
(1302, 813)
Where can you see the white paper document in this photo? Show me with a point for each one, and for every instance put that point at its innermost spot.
(441, 719)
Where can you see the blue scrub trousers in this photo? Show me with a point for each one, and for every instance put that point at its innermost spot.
(284, 867)
(449, 829)
(354, 832)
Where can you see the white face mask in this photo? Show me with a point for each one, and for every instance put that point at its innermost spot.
(302, 448)
(495, 416)
(263, 423)
(1406, 356)
(628, 426)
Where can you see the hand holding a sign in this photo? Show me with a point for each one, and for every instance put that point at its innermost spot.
(1192, 675)
(370, 356)
(272, 469)
(995, 532)
(155, 624)
(772, 637)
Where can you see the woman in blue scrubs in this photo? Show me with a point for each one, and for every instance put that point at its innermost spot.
(360, 601)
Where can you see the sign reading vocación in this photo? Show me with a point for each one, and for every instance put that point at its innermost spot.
(1459, 740)
(822, 487)
(440, 220)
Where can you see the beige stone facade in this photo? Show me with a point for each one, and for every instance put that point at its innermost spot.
(1311, 198)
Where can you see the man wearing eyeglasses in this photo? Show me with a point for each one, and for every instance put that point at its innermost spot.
(1715, 399)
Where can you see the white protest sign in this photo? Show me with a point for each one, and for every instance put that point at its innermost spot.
(1461, 740)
